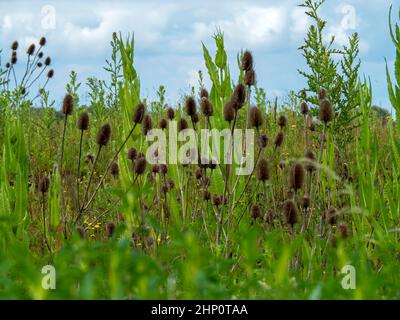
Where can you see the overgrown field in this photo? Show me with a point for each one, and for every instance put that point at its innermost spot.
(80, 190)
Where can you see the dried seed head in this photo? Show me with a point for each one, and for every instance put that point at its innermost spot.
(50, 74)
(103, 135)
(278, 139)
(255, 211)
(132, 154)
(216, 200)
(114, 169)
(306, 201)
(322, 94)
(110, 228)
(31, 50)
(310, 165)
(14, 46)
(229, 112)
(8, 65)
(331, 216)
(68, 105)
(206, 195)
(282, 121)
(155, 168)
(190, 106)
(140, 165)
(325, 111)
(40, 55)
(250, 78)
(262, 169)
(198, 173)
(238, 98)
(170, 113)
(256, 118)
(14, 59)
(296, 177)
(163, 124)
(182, 124)
(39, 64)
(291, 212)
(263, 141)
(163, 169)
(147, 124)
(196, 117)
(206, 107)
(42, 41)
(343, 230)
(203, 93)
(304, 108)
(47, 61)
(83, 121)
(247, 61)
(44, 184)
(138, 114)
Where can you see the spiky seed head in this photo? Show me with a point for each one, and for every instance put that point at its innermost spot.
(68, 105)
(322, 94)
(114, 169)
(163, 169)
(14, 59)
(182, 124)
(147, 124)
(278, 139)
(282, 121)
(291, 212)
(343, 230)
(47, 61)
(263, 141)
(39, 64)
(163, 124)
(138, 114)
(310, 165)
(331, 216)
(247, 61)
(206, 107)
(170, 113)
(203, 93)
(40, 55)
(31, 49)
(83, 121)
(190, 106)
(306, 201)
(103, 135)
(238, 98)
(196, 118)
(42, 41)
(155, 168)
(256, 119)
(8, 65)
(255, 211)
(140, 166)
(250, 78)
(296, 177)
(304, 108)
(50, 74)
(132, 154)
(110, 228)
(216, 200)
(262, 169)
(325, 111)
(14, 46)
(44, 184)
(229, 112)
(206, 195)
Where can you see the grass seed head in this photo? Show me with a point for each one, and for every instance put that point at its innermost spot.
(103, 135)
(42, 41)
(132, 154)
(206, 107)
(325, 111)
(229, 111)
(291, 212)
(250, 78)
(203, 93)
(138, 114)
(163, 169)
(147, 124)
(14, 46)
(306, 201)
(31, 49)
(256, 118)
(190, 106)
(50, 74)
(262, 169)
(68, 105)
(343, 230)
(278, 139)
(47, 61)
(216, 200)
(140, 165)
(238, 98)
(170, 113)
(206, 195)
(83, 121)
(296, 177)
(247, 61)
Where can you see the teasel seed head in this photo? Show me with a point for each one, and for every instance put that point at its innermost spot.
(206, 195)
(247, 61)
(140, 166)
(182, 124)
(42, 41)
(216, 200)
(40, 55)
(44, 184)
(14, 46)
(163, 169)
(291, 212)
(196, 118)
(8, 65)
(331, 216)
(282, 121)
(203, 93)
(190, 106)
(229, 112)
(296, 177)
(147, 124)
(263, 141)
(47, 61)
(170, 113)
(278, 139)
(14, 59)
(163, 124)
(322, 94)
(206, 107)
(103, 135)
(110, 228)
(306, 201)
(132, 154)
(325, 111)
(39, 64)
(255, 211)
(304, 108)
(155, 168)
(68, 105)
(250, 78)
(138, 114)
(31, 49)
(83, 121)
(238, 98)
(50, 74)
(114, 169)
(262, 169)
(256, 118)
(310, 165)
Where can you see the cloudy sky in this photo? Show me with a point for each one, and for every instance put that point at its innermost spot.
(168, 36)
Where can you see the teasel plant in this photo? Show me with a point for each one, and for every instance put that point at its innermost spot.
(82, 125)
(44, 184)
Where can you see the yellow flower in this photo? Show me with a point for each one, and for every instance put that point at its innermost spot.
(293, 126)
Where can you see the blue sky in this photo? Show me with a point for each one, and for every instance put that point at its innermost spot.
(168, 37)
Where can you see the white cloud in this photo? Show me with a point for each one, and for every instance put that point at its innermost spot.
(299, 23)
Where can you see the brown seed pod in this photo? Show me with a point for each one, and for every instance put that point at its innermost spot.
(182, 124)
(83, 121)
(198, 174)
(306, 201)
(310, 165)
(296, 177)
(138, 114)
(282, 121)
(229, 112)
(140, 165)
(110, 228)
(304, 108)
(250, 78)
(203, 93)
(331, 216)
(103, 135)
(50, 74)
(255, 119)
(255, 211)
(155, 168)
(196, 117)
(322, 94)
(40, 55)
(147, 124)
(14, 59)
(291, 212)
(42, 41)
(163, 169)
(247, 61)
(163, 124)
(44, 184)
(31, 49)
(132, 154)
(262, 169)
(263, 141)
(170, 113)
(278, 139)
(206, 195)
(68, 105)
(39, 64)
(238, 98)
(190, 106)
(216, 200)
(206, 107)
(47, 61)
(325, 111)
(14, 46)
(8, 65)
(114, 169)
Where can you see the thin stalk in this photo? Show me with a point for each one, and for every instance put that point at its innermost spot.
(79, 170)
(61, 178)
